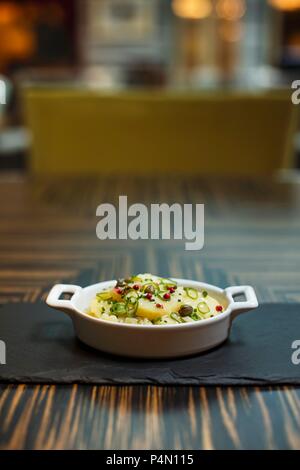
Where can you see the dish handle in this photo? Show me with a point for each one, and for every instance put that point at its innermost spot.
(53, 299)
(245, 305)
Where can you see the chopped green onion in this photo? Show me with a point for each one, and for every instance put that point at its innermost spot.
(160, 295)
(194, 316)
(163, 288)
(191, 293)
(150, 287)
(119, 308)
(203, 307)
(135, 279)
(204, 294)
(105, 295)
(176, 317)
(132, 306)
(131, 293)
(168, 282)
(132, 300)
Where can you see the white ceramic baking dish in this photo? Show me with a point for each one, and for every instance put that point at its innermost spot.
(156, 341)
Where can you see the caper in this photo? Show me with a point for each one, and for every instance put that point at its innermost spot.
(120, 282)
(185, 310)
(149, 289)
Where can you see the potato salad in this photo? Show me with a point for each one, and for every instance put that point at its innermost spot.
(151, 300)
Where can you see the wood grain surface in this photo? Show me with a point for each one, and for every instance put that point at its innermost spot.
(84, 417)
(47, 235)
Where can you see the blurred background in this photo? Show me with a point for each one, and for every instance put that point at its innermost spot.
(78, 72)
(194, 95)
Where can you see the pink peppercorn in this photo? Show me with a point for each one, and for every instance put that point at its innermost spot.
(149, 296)
(136, 286)
(167, 296)
(118, 290)
(219, 308)
(159, 306)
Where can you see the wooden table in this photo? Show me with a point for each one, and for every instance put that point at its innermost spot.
(47, 235)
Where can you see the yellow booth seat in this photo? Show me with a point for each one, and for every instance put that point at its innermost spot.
(83, 131)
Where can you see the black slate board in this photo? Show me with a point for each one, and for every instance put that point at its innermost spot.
(42, 348)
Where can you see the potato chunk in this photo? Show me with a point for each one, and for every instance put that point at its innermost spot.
(147, 309)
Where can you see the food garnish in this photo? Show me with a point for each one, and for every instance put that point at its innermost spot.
(152, 300)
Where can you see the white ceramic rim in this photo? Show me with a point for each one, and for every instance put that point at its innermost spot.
(238, 307)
